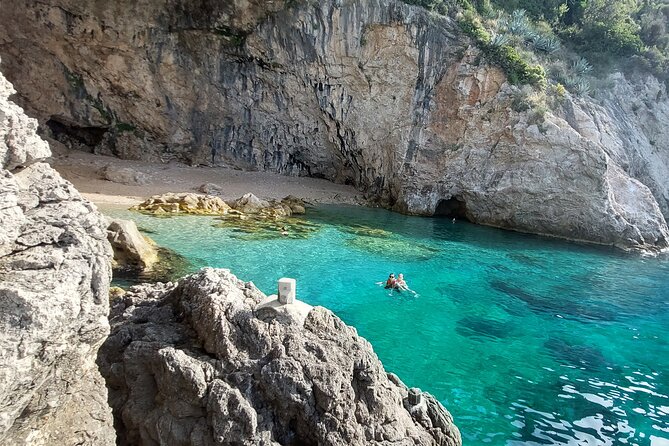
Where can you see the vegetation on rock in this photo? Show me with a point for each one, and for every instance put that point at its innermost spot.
(562, 40)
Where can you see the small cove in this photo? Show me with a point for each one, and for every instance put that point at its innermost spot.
(526, 340)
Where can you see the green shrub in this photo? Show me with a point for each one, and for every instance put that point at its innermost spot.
(471, 25)
(516, 68)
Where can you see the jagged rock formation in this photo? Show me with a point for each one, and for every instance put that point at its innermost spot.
(246, 205)
(192, 364)
(183, 203)
(373, 93)
(54, 280)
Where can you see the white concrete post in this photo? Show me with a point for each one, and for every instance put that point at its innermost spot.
(287, 290)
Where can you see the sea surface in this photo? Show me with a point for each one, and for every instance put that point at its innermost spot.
(526, 340)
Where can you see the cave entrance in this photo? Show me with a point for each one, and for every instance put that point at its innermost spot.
(76, 137)
(454, 207)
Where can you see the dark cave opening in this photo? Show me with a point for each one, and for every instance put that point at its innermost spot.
(75, 136)
(454, 207)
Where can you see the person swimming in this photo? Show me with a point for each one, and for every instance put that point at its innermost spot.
(400, 283)
(390, 283)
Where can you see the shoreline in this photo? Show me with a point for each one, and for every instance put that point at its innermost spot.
(86, 171)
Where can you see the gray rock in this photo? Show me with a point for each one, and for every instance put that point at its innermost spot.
(124, 175)
(19, 144)
(211, 189)
(249, 204)
(192, 364)
(54, 280)
(131, 249)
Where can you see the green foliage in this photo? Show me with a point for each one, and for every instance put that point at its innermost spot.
(632, 35)
(505, 56)
(471, 25)
(517, 69)
(581, 66)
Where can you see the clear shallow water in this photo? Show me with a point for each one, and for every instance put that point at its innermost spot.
(526, 340)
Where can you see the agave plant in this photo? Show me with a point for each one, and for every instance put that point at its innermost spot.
(546, 44)
(581, 66)
(499, 40)
(519, 24)
(582, 87)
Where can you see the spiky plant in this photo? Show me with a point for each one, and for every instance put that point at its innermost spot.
(581, 66)
(518, 24)
(499, 40)
(546, 44)
(582, 87)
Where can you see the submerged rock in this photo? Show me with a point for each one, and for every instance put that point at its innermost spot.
(54, 282)
(192, 364)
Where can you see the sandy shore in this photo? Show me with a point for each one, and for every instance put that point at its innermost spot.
(84, 171)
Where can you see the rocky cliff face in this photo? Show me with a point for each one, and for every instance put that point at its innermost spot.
(54, 282)
(373, 93)
(199, 363)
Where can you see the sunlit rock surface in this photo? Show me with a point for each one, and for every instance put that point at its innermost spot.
(196, 364)
(54, 282)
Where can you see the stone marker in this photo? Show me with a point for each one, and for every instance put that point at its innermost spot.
(287, 290)
(415, 396)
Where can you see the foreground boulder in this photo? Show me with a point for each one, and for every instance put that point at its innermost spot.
(54, 280)
(194, 364)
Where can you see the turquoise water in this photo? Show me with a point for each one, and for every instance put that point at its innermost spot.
(526, 340)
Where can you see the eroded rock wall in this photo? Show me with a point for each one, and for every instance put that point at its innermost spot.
(196, 364)
(373, 93)
(54, 282)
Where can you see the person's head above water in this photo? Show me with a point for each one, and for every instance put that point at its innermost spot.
(391, 275)
(401, 276)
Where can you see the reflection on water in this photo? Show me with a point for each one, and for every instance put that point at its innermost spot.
(527, 340)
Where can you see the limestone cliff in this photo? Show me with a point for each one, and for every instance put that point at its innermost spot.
(54, 282)
(199, 363)
(373, 93)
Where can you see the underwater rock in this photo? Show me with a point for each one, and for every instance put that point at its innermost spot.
(183, 203)
(555, 306)
(473, 326)
(258, 227)
(581, 356)
(132, 250)
(367, 231)
(192, 364)
(396, 248)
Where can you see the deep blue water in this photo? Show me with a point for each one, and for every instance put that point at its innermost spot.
(526, 340)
